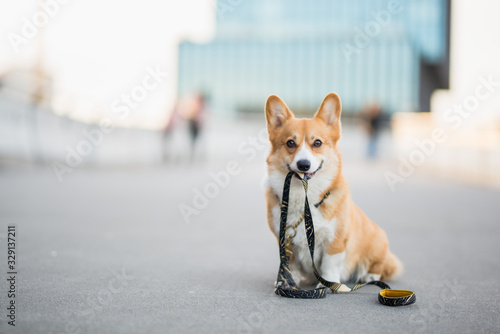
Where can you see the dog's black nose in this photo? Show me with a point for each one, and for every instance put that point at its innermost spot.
(303, 165)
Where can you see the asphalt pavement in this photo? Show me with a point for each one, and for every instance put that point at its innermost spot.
(185, 248)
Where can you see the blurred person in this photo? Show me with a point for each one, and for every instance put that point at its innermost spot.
(168, 133)
(372, 119)
(184, 126)
(194, 112)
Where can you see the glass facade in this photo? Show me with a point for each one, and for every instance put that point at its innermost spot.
(301, 50)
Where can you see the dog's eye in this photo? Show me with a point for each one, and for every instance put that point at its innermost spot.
(290, 144)
(317, 143)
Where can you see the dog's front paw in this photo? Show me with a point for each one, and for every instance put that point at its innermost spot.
(370, 277)
(320, 285)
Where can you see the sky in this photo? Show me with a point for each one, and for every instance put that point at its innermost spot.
(100, 52)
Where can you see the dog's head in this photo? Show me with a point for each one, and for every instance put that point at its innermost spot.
(306, 146)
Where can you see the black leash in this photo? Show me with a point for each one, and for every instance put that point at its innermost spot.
(286, 286)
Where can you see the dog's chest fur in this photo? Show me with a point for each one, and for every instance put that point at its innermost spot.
(324, 229)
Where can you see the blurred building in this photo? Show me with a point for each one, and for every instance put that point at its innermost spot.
(467, 114)
(395, 52)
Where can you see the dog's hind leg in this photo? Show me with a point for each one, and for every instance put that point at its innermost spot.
(385, 269)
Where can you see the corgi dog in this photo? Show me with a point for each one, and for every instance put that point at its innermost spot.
(349, 246)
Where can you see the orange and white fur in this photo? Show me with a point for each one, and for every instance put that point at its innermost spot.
(349, 246)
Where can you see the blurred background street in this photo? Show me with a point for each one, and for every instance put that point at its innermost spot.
(133, 146)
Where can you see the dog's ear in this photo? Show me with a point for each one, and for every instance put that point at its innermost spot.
(330, 109)
(277, 113)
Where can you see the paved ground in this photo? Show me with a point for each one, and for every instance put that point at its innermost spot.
(107, 251)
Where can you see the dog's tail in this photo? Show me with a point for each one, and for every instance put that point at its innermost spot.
(393, 267)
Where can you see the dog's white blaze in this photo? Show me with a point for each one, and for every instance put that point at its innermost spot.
(305, 153)
(324, 229)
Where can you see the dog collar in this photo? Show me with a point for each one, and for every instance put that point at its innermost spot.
(321, 202)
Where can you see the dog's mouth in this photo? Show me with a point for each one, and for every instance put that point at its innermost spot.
(307, 176)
